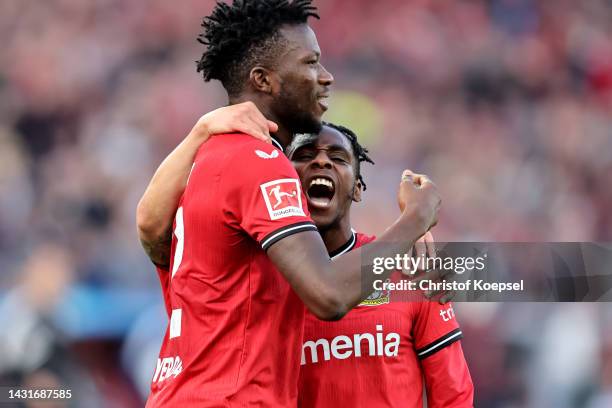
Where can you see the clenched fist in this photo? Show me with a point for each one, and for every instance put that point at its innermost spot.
(418, 197)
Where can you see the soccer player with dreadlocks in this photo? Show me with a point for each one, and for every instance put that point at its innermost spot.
(244, 244)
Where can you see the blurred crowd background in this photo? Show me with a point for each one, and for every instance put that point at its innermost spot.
(506, 104)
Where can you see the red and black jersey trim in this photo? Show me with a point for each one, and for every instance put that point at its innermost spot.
(439, 344)
(346, 247)
(285, 231)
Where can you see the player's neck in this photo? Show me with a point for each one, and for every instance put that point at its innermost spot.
(283, 136)
(337, 235)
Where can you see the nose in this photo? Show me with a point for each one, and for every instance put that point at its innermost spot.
(325, 77)
(322, 161)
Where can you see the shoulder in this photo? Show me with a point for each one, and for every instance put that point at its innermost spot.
(232, 145)
(245, 165)
(244, 156)
(241, 143)
(255, 152)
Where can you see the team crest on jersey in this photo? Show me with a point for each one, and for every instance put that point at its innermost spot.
(379, 297)
(283, 198)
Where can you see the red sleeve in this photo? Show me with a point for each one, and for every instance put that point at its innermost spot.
(436, 339)
(447, 379)
(265, 195)
(164, 281)
(435, 328)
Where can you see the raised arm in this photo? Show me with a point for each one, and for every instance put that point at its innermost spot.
(330, 289)
(157, 207)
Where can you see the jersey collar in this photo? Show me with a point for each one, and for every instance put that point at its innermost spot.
(346, 247)
(277, 144)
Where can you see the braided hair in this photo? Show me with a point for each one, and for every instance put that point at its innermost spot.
(360, 152)
(245, 34)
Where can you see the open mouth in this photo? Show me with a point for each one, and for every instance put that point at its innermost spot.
(320, 192)
(323, 102)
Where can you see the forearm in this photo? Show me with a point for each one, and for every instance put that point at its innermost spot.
(158, 205)
(331, 288)
(398, 239)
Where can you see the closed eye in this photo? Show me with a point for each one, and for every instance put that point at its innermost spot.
(303, 156)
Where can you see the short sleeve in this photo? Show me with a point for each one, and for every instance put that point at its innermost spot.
(264, 194)
(436, 327)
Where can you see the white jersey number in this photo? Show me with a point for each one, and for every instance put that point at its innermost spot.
(179, 232)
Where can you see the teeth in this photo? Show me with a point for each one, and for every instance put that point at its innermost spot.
(322, 181)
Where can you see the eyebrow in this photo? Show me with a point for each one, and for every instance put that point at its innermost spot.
(337, 147)
(309, 54)
(303, 146)
(333, 148)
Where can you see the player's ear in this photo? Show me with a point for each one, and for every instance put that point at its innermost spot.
(261, 79)
(357, 188)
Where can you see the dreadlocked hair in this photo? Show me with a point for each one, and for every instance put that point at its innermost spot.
(360, 152)
(244, 34)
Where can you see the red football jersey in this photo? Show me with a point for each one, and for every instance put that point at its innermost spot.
(379, 354)
(236, 325)
(164, 280)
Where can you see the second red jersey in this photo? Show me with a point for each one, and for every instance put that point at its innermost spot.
(236, 325)
(380, 352)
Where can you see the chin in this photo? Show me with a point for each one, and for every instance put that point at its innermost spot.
(323, 221)
(308, 125)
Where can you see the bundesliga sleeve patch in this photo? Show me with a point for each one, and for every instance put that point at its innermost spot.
(283, 198)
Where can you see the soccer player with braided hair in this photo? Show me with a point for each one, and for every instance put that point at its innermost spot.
(246, 256)
(391, 349)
